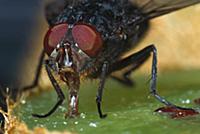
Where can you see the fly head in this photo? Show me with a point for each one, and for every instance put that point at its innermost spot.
(72, 47)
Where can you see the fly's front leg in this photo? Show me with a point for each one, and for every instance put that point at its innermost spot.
(100, 89)
(58, 90)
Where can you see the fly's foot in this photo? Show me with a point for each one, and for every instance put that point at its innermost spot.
(103, 116)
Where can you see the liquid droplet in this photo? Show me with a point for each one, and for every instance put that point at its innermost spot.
(82, 115)
(23, 101)
(81, 129)
(186, 101)
(76, 122)
(93, 124)
(65, 123)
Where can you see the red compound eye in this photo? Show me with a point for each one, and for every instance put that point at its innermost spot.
(53, 36)
(87, 38)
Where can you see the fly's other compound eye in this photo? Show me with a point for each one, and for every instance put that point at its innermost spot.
(53, 37)
(87, 38)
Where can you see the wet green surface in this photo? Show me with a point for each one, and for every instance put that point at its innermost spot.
(130, 110)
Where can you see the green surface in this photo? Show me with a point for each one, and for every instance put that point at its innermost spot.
(130, 110)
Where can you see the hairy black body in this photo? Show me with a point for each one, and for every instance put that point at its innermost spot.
(120, 23)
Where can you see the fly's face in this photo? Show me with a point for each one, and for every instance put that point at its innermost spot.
(71, 47)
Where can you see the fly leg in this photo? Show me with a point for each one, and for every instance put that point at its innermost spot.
(37, 74)
(125, 78)
(132, 59)
(100, 89)
(59, 92)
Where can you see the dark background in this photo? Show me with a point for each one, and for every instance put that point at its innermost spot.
(17, 22)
